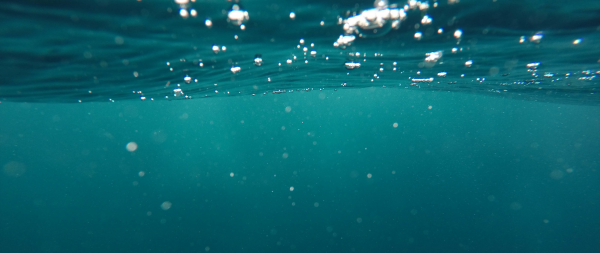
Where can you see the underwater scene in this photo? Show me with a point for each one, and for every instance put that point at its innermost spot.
(299, 126)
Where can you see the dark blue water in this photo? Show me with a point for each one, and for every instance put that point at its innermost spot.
(122, 130)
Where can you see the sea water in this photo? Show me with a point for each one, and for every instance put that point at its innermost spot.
(321, 126)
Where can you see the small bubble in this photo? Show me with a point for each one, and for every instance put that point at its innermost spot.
(166, 205)
(458, 33)
(183, 13)
(119, 40)
(418, 35)
(292, 15)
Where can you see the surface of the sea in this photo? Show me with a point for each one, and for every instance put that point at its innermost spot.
(299, 126)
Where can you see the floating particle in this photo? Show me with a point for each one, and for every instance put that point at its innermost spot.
(292, 15)
(208, 22)
(469, 63)
(577, 41)
(131, 146)
(166, 205)
(235, 69)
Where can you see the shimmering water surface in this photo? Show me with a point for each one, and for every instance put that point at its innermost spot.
(299, 126)
(65, 51)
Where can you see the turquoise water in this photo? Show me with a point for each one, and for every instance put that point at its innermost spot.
(301, 163)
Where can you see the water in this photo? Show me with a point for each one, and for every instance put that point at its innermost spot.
(163, 126)
(114, 50)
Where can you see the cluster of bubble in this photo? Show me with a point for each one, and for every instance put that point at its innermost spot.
(372, 22)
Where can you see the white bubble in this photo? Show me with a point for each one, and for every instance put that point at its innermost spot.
(183, 13)
(208, 22)
(395, 125)
(291, 188)
(166, 205)
(292, 15)
(418, 35)
(288, 109)
(231, 174)
(131, 146)
(141, 173)
(285, 155)
(458, 33)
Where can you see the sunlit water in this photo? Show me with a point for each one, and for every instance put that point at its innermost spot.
(65, 51)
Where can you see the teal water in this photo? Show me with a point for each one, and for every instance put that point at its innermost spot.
(471, 174)
(109, 144)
